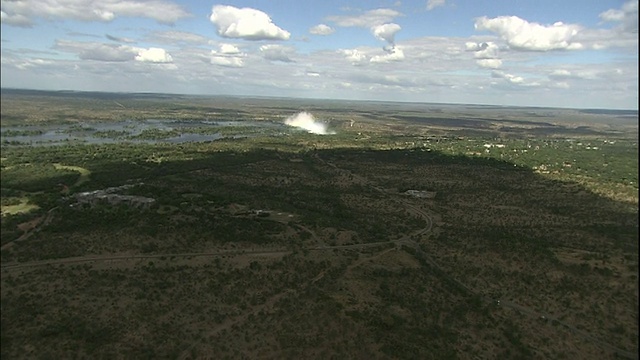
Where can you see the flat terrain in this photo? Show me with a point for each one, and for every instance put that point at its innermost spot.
(519, 241)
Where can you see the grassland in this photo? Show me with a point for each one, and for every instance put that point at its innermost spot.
(294, 245)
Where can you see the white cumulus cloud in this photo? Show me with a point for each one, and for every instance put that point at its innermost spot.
(432, 4)
(226, 61)
(229, 49)
(276, 52)
(14, 19)
(486, 53)
(228, 55)
(29, 63)
(386, 32)
(97, 51)
(560, 74)
(245, 23)
(514, 79)
(322, 29)
(520, 34)
(489, 63)
(367, 19)
(393, 54)
(485, 50)
(154, 55)
(306, 121)
(23, 12)
(354, 56)
(627, 16)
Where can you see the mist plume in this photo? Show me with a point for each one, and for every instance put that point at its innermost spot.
(306, 121)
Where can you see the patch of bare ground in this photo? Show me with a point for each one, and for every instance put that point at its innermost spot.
(28, 228)
(337, 237)
(30, 225)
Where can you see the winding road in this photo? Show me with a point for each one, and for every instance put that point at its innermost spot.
(408, 241)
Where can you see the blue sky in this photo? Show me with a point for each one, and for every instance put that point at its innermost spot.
(573, 53)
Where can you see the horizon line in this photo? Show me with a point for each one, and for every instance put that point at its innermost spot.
(306, 98)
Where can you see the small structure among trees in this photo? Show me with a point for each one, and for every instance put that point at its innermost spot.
(421, 194)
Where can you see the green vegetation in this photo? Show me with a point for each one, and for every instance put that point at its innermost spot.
(36, 177)
(283, 244)
(13, 205)
(12, 133)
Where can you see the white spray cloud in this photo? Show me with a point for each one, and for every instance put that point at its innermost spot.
(306, 121)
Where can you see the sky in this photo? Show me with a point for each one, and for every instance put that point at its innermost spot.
(549, 53)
